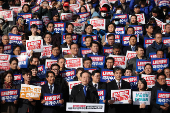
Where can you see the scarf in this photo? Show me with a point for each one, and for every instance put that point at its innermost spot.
(8, 85)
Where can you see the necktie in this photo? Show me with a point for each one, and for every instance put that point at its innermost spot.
(118, 85)
(95, 85)
(84, 90)
(133, 48)
(51, 89)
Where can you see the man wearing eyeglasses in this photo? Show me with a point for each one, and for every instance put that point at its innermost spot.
(55, 53)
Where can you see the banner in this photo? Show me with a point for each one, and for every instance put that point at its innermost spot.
(97, 61)
(85, 107)
(102, 95)
(163, 28)
(138, 29)
(162, 97)
(37, 22)
(35, 45)
(71, 84)
(38, 83)
(166, 41)
(22, 60)
(7, 14)
(106, 75)
(52, 99)
(30, 91)
(66, 51)
(35, 8)
(26, 16)
(125, 39)
(66, 16)
(140, 64)
(84, 16)
(148, 41)
(123, 18)
(49, 62)
(162, 3)
(120, 30)
(17, 79)
(117, 37)
(41, 72)
(121, 96)
(74, 63)
(90, 69)
(95, 38)
(168, 81)
(107, 50)
(141, 97)
(15, 39)
(8, 49)
(130, 54)
(45, 19)
(98, 23)
(73, 6)
(59, 27)
(133, 80)
(4, 65)
(140, 18)
(85, 51)
(104, 2)
(68, 75)
(153, 55)
(150, 79)
(78, 28)
(159, 23)
(46, 51)
(9, 95)
(4, 57)
(112, 1)
(16, 9)
(120, 61)
(74, 37)
(159, 63)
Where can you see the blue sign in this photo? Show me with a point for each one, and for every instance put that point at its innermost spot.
(138, 29)
(123, 18)
(153, 55)
(68, 75)
(38, 83)
(22, 60)
(85, 51)
(125, 39)
(52, 99)
(120, 30)
(84, 16)
(37, 22)
(90, 69)
(148, 41)
(117, 37)
(106, 75)
(163, 97)
(102, 95)
(17, 79)
(59, 27)
(140, 64)
(133, 80)
(41, 72)
(107, 50)
(159, 63)
(97, 60)
(15, 39)
(166, 41)
(26, 16)
(8, 49)
(95, 38)
(74, 37)
(9, 95)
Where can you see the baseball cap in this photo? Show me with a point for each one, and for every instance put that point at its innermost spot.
(103, 9)
(66, 4)
(137, 6)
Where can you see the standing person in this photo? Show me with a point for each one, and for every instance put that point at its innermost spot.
(8, 107)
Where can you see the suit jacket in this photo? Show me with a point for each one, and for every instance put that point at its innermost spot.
(77, 94)
(70, 56)
(116, 108)
(92, 54)
(126, 48)
(101, 85)
(45, 89)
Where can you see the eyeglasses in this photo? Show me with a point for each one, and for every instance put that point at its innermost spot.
(55, 69)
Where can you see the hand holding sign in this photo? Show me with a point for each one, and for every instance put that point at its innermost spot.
(111, 101)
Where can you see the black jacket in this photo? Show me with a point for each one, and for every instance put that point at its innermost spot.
(126, 48)
(101, 85)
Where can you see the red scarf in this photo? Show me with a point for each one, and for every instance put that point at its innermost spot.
(8, 85)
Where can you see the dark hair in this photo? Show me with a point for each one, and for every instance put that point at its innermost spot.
(88, 25)
(159, 50)
(13, 27)
(87, 58)
(35, 14)
(28, 7)
(112, 24)
(54, 46)
(95, 71)
(33, 67)
(110, 58)
(81, 7)
(149, 65)
(131, 28)
(25, 37)
(117, 46)
(79, 69)
(12, 59)
(67, 35)
(5, 74)
(138, 46)
(147, 26)
(14, 47)
(109, 35)
(158, 33)
(133, 36)
(133, 15)
(50, 23)
(74, 18)
(85, 72)
(89, 37)
(128, 69)
(143, 82)
(48, 33)
(160, 74)
(54, 65)
(49, 72)
(34, 26)
(167, 23)
(2, 45)
(69, 24)
(117, 69)
(165, 68)
(60, 59)
(73, 44)
(26, 71)
(31, 59)
(94, 42)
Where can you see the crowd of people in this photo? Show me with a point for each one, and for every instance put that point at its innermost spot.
(153, 12)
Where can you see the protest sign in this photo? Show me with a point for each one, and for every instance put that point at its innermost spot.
(141, 97)
(30, 91)
(98, 23)
(106, 75)
(37, 22)
(35, 8)
(85, 51)
(168, 81)
(59, 27)
(107, 50)
(95, 38)
(140, 64)
(17, 79)
(166, 41)
(120, 61)
(148, 42)
(68, 75)
(8, 49)
(0, 8)
(45, 19)
(163, 97)
(22, 60)
(117, 37)
(41, 72)
(159, 23)
(87, 7)
(66, 51)
(4, 65)
(163, 28)
(84, 16)
(120, 30)
(7, 14)
(74, 63)
(15, 39)
(123, 18)
(52, 99)
(140, 18)
(46, 51)
(85, 107)
(153, 55)
(66, 16)
(125, 39)
(26, 16)
(71, 84)
(78, 28)
(90, 69)
(4, 57)
(74, 38)
(159, 63)
(133, 80)
(49, 62)
(73, 6)
(35, 45)
(38, 83)
(138, 29)
(9, 95)
(97, 60)
(150, 79)
(16, 10)
(104, 2)
(162, 3)
(112, 1)
(102, 95)
(121, 96)
(130, 54)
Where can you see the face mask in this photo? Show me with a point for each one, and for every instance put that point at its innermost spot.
(116, 22)
(167, 21)
(79, 20)
(118, 11)
(103, 14)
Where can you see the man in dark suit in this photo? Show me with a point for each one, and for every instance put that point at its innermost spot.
(116, 84)
(109, 62)
(149, 31)
(50, 88)
(87, 62)
(159, 85)
(68, 41)
(47, 39)
(110, 40)
(84, 93)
